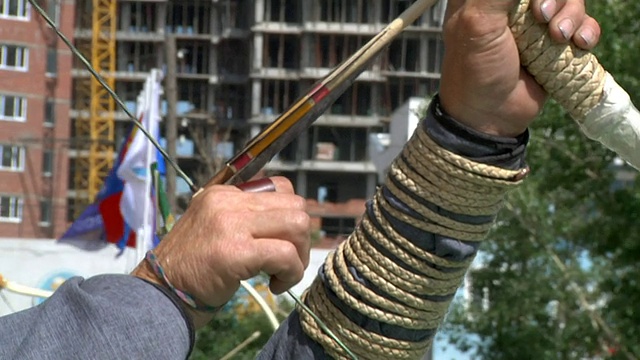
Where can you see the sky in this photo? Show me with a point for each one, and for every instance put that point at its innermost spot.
(442, 350)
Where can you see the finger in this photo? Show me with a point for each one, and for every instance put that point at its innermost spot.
(279, 259)
(282, 184)
(588, 34)
(544, 10)
(291, 226)
(233, 198)
(260, 185)
(479, 18)
(276, 183)
(569, 17)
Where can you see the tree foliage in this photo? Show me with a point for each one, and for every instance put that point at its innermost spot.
(226, 332)
(560, 280)
(229, 329)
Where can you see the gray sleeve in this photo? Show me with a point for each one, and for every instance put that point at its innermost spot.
(103, 317)
(290, 342)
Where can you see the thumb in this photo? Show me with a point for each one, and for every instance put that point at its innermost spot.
(474, 19)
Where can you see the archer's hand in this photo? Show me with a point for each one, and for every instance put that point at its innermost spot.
(227, 235)
(482, 84)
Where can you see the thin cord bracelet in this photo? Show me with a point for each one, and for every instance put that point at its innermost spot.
(184, 296)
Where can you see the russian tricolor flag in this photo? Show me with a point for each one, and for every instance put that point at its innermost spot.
(125, 207)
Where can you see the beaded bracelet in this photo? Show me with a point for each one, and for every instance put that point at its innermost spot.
(184, 296)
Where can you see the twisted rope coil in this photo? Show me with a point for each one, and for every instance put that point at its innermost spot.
(425, 172)
(404, 296)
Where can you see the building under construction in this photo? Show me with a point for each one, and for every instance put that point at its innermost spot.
(238, 65)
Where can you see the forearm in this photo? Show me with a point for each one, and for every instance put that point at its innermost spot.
(386, 289)
(104, 317)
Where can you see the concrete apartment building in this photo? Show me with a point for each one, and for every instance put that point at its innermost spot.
(242, 62)
(35, 94)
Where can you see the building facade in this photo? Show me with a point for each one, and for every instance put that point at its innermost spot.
(241, 63)
(35, 98)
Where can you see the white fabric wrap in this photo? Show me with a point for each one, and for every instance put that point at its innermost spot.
(615, 123)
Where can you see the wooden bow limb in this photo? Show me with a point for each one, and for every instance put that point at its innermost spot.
(22, 289)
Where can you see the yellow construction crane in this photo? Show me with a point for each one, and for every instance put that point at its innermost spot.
(94, 127)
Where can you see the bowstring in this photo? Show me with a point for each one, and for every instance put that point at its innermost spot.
(166, 156)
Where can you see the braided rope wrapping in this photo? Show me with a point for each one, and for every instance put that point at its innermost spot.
(427, 173)
(577, 81)
(402, 298)
(571, 76)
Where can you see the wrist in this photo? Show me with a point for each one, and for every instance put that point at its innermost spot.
(447, 132)
(484, 114)
(145, 272)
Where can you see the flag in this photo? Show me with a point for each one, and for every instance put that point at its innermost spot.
(102, 220)
(125, 206)
(136, 202)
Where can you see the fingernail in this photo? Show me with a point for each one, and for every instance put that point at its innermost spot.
(588, 36)
(548, 9)
(566, 27)
(261, 185)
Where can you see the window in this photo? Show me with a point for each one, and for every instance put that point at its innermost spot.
(10, 208)
(404, 54)
(139, 18)
(277, 95)
(47, 163)
(13, 108)
(192, 17)
(341, 11)
(338, 227)
(283, 11)
(327, 192)
(281, 51)
(49, 112)
(52, 61)
(12, 157)
(45, 211)
(71, 209)
(14, 9)
(14, 57)
(53, 11)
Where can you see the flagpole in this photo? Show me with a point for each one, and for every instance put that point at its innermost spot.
(143, 238)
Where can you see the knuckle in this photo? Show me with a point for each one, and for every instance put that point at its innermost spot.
(299, 203)
(222, 219)
(301, 220)
(290, 251)
(209, 195)
(217, 194)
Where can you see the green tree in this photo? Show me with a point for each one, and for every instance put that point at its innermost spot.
(228, 330)
(560, 277)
